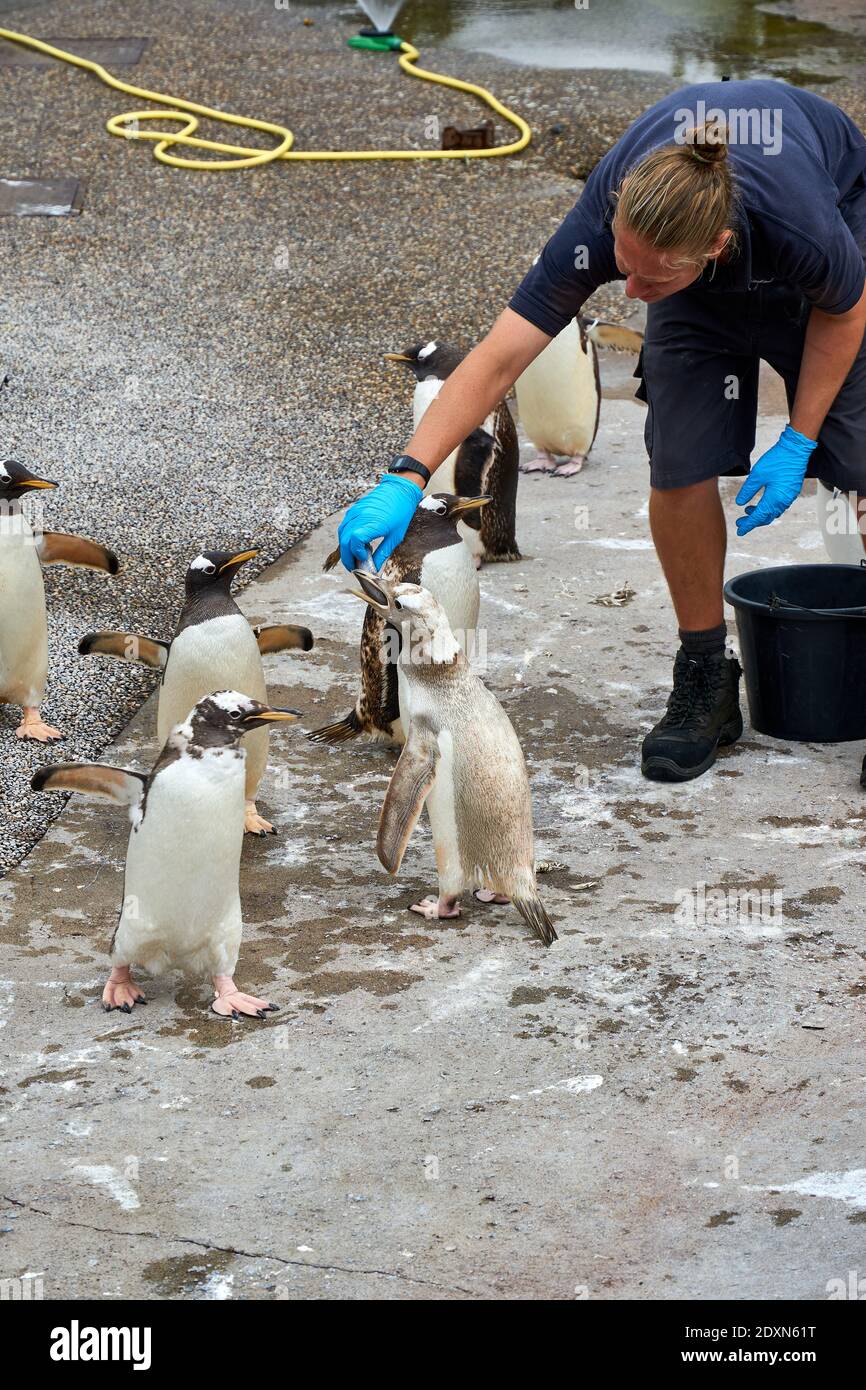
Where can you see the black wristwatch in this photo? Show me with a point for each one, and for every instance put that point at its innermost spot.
(404, 463)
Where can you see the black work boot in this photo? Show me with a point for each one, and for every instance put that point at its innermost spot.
(703, 713)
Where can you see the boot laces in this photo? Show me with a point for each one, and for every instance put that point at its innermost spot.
(693, 697)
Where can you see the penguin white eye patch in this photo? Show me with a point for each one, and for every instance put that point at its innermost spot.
(201, 562)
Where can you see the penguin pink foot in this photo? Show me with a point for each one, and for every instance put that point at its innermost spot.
(486, 895)
(254, 824)
(542, 463)
(230, 1002)
(433, 908)
(121, 992)
(33, 726)
(569, 467)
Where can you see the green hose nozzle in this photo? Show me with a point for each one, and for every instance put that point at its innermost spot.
(380, 43)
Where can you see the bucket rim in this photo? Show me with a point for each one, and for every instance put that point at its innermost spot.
(750, 605)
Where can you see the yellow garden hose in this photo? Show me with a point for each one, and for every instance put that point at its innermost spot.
(186, 113)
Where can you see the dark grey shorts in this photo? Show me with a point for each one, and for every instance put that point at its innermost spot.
(699, 370)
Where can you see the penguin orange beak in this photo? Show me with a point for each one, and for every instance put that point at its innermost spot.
(469, 504)
(37, 482)
(396, 357)
(271, 716)
(238, 559)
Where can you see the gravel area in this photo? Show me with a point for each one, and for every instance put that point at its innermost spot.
(197, 357)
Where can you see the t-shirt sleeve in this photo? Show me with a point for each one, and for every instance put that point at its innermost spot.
(578, 258)
(830, 276)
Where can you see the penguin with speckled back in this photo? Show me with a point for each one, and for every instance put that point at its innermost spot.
(213, 648)
(486, 462)
(431, 553)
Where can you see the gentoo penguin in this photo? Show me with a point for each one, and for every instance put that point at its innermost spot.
(213, 647)
(462, 756)
(181, 903)
(432, 553)
(23, 621)
(559, 394)
(486, 462)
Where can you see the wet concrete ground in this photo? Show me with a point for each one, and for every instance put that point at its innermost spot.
(667, 1104)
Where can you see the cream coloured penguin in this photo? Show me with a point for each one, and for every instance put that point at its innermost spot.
(559, 395)
(486, 462)
(23, 618)
(462, 757)
(181, 901)
(213, 647)
(433, 554)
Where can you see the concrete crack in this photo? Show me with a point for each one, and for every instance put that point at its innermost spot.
(235, 1250)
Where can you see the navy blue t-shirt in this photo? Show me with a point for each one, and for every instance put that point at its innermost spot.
(802, 203)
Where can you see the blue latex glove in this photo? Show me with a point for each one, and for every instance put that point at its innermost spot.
(780, 472)
(385, 511)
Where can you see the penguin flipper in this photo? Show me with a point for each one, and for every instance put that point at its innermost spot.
(407, 791)
(127, 646)
(55, 548)
(93, 779)
(283, 637)
(331, 560)
(614, 335)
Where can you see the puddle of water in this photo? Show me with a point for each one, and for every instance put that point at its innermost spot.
(688, 40)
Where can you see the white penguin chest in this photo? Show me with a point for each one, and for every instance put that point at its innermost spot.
(183, 860)
(23, 629)
(452, 578)
(557, 395)
(218, 654)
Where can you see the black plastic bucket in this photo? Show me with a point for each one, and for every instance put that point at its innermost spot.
(802, 632)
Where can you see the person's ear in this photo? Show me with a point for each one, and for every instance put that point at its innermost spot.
(719, 244)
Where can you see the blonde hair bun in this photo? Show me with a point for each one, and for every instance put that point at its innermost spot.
(708, 143)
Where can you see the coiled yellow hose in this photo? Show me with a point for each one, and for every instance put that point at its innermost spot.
(128, 125)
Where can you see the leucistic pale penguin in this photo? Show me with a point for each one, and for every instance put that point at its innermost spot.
(559, 395)
(213, 648)
(433, 554)
(23, 619)
(181, 901)
(486, 462)
(462, 757)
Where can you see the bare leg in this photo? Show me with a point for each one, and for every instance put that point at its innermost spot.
(569, 466)
(543, 462)
(254, 824)
(688, 528)
(121, 992)
(433, 908)
(33, 726)
(861, 516)
(229, 1002)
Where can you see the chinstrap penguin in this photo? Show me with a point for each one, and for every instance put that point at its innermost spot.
(433, 554)
(463, 758)
(486, 462)
(23, 618)
(181, 902)
(214, 647)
